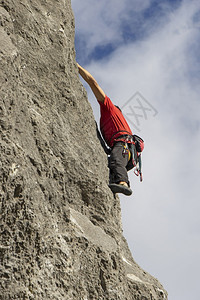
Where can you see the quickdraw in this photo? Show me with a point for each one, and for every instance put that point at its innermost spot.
(137, 170)
(136, 160)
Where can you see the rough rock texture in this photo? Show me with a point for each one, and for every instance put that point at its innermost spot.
(61, 233)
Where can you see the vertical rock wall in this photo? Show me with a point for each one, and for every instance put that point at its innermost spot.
(61, 234)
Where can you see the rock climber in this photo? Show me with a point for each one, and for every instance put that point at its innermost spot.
(115, 131)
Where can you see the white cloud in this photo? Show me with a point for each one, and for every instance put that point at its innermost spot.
(161, 220)
(101, 22)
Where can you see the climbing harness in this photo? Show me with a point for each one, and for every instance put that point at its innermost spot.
(135, 145)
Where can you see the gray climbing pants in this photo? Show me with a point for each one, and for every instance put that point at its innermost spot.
(119, 163)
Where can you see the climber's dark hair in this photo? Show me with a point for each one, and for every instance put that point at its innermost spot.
(118, 108)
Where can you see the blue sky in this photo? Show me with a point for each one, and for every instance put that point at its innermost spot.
(132, 25)
(152, 47)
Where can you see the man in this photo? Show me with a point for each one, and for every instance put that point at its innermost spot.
(115, 131)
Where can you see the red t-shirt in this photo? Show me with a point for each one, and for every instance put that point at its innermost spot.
(112, 122)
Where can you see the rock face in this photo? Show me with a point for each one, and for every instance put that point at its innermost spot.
(61, 233)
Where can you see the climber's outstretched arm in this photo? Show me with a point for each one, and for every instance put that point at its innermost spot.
(97, 90)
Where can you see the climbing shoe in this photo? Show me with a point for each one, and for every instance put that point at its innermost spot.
(120, 188)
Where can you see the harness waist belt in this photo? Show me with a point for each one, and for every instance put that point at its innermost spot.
(124, 136)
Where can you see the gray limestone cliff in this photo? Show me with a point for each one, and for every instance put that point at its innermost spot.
(61, 232)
